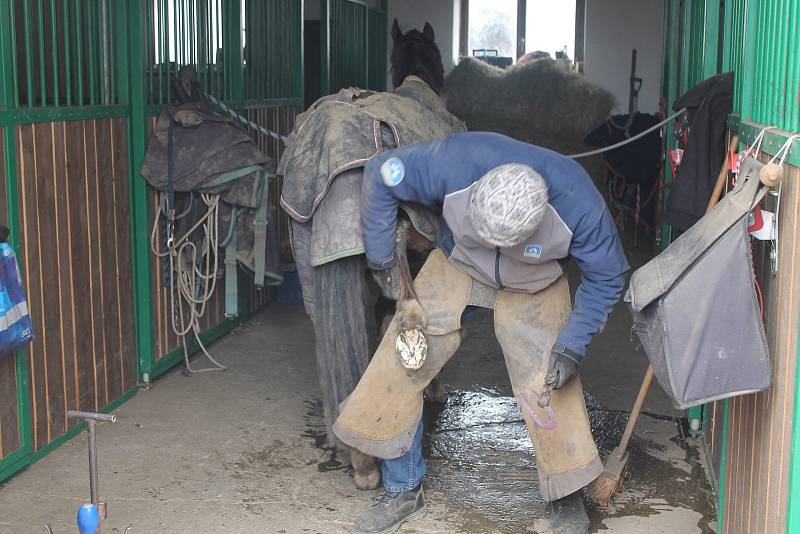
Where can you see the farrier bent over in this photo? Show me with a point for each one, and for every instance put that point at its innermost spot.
(513, 214)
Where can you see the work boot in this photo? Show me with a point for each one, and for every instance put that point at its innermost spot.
(390, 511)
(568, 515)
(366, 473)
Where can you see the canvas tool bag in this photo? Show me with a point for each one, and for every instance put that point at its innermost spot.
(695, 309)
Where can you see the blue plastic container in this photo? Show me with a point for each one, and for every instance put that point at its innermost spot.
(290, 292)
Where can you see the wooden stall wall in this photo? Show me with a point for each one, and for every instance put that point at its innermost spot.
(76, 255)
(276, 119)
(9, 410)
(759, 427)
(280, 120)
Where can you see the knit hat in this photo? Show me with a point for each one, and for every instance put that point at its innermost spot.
(507, 204)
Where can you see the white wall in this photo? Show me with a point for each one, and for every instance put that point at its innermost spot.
(613, 29)
(443, 16)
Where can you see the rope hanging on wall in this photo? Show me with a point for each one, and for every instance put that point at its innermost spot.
(192, 273)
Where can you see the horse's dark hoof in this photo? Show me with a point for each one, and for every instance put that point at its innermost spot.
(366, 475)
(435, 392)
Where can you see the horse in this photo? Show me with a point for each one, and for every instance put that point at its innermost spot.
(344, 303)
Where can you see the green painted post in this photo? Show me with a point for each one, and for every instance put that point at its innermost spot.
(792, 106)
(234, 73)
(729, 28)
(369, 30)
(671, 69)
(748, 61)
(325, 46)
(711, 38)
(299, 80)
(140, 217)
(793, 494)
(723, 458)
(8, 99)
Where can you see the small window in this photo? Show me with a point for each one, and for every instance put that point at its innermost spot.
(550, 27)
(493, 28)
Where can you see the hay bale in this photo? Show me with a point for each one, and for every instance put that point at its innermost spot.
(538, 102)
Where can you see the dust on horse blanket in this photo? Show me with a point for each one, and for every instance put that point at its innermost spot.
(211, 154)
(331, 142)
(342, 131)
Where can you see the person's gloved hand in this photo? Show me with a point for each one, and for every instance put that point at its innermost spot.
(562, 367)
(388, 279)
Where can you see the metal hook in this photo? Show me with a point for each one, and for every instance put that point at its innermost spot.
(548, 424)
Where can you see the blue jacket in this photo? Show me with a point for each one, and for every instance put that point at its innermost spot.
(441, 170)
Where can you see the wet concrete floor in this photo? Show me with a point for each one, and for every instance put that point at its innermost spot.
(243, 451)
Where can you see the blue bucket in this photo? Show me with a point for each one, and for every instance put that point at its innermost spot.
(290, 292)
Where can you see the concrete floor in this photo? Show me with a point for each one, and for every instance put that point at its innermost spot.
(241, 451)
(238, 452)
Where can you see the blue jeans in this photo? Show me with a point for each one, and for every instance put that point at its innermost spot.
(406, 472)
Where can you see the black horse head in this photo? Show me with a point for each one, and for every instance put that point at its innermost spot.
(415, 53)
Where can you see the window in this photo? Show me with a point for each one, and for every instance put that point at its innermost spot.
(493, 26)
(550, 27)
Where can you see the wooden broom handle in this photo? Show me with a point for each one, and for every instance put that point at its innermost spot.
(637, 408)
(723, 174)
(648, 377)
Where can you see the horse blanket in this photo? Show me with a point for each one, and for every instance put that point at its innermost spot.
(322, 165)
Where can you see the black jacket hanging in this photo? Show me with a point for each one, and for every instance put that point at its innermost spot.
(708, 105)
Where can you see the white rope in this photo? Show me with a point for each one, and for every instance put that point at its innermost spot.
(186, 278)
(630, 140)
(784, 150)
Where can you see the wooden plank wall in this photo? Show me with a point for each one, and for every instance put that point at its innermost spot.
(76, 247)
(760, 426)
(9, 422)
(280, 120)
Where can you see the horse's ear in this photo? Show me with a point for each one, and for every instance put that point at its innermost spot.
(428, 31)
(396, 33)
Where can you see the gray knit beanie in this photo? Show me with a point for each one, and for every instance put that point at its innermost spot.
(507, 204)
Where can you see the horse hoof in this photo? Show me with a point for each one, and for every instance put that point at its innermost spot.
(435, 392)
(366, 475)
(369, 481)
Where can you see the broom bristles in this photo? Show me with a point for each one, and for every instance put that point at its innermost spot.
(607, 485)
(603, 488)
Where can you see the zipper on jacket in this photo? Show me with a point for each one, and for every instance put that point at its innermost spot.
(497, 267)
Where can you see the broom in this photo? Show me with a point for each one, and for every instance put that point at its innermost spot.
(609, 483)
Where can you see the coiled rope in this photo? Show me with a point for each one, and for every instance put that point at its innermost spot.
(192, 274)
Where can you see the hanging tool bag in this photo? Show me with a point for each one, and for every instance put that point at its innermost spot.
(695, 308)
(16, 330)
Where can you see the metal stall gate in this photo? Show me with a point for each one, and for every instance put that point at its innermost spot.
(752, 442)
(80, 84)
(353, 44)
(247, 53)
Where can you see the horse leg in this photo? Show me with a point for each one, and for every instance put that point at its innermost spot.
(366, 474)
(435, 392)
(342, 328)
